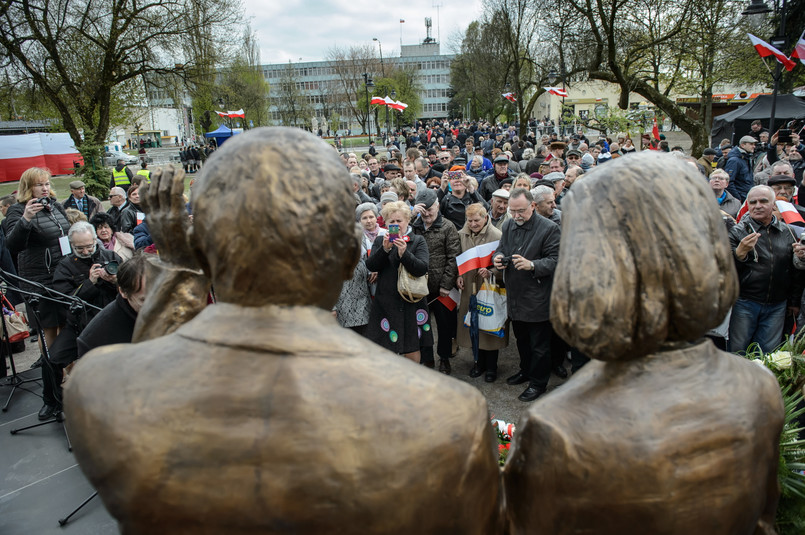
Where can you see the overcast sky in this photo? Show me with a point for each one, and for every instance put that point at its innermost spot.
(306, 29)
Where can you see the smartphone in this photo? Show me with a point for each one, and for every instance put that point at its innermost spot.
(394, 232)
(784, 136)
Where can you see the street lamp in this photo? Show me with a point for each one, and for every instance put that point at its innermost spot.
(367, 83)
(552, 78)
(225, 105)
(380, 45)
(756, 10)
(393, 97)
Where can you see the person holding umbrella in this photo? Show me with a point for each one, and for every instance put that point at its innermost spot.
(478, 230)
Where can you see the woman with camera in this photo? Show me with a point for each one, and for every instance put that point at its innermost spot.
(36, 226)
(394, 323)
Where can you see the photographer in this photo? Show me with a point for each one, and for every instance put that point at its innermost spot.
(89, 273)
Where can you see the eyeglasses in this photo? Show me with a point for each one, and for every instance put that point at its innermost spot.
(84, 247)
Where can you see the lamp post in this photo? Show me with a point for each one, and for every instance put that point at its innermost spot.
(367, 83)
(224, 105)
(757, 10)
(393, 97)
(552, 77)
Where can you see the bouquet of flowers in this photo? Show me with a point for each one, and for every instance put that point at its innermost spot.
(504, 432)
(788, 366)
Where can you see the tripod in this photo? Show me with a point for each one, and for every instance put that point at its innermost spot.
(47, 366)
(15, 381)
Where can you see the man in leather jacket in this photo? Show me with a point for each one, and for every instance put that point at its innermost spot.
(766, 254)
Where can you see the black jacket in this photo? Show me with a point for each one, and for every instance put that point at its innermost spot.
(36, 242)
(767, 275)
(529, 292)
(443, 247)
(454, 209)
(113, 325)
(72, 278)
(125, 217)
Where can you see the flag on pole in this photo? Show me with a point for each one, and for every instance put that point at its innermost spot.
(450, 300)
(378, 100)
(789, 213)
(222, 113)
(509, 96)
(397, 105)
(476, 258)
(240, 113)
(765, 50)
(799, 49)
(558, 91)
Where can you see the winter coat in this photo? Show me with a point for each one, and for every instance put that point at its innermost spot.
(469, 240)
(352, 308)
(739, 167)
(91, 205)
(767, 274)
(395, 323)
(124, 217)
(36, 242)
(528, 293)
(443, 248)
(454, 208)
(491, 184)
(113, 325)
(731, 205)
(72, 278)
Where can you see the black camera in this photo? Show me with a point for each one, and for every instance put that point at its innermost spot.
(44, 201)
(505, 260)
(110, 266)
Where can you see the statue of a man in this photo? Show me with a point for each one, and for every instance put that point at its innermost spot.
(260, 414)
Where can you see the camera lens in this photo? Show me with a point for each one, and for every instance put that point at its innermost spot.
(111, 267)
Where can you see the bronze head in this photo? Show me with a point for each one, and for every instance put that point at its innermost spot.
(644, 259)
(273, 220)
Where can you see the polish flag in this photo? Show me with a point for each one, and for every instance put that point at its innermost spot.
(765, 50)
(450, 300)
(558, 91)
(397, 105)
(476, 258)
(378, 100)
(799, 49)
(790, 214)
(55, 152)
(222, 113)
(509, 96)
(240, 113)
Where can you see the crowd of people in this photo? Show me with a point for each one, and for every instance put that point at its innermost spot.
(460, 185)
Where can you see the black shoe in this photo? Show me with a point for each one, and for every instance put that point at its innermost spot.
(444, 366)
(48, 411)
(476, 371)
(430, 365)
(531, 393)
(517, 379)
(490, 377)
(560, 371)
(38, 363)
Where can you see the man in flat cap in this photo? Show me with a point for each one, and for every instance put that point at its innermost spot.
(78, 199)
(392, 171)
(493, 181)
(708, 160)
(739, 167)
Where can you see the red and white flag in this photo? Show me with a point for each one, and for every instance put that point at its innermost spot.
(397, 105)
(240, 113)
(765, 50)
(222, 113)
(558, 91)
(378, 100)
(476, 258)
(450, 300)
(509, 96)
(790, 214)
(799, 49)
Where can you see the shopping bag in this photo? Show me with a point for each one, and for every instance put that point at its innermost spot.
(491, 307)
(16, 326)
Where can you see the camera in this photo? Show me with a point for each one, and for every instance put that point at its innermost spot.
(110, 266)
(505, 261)
(44, 201)
(784, 136)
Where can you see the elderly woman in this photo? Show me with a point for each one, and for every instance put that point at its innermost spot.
(478, 231)
(37, 229)
(395, 323)
(366, 215)
(352, 308)
(121, 243)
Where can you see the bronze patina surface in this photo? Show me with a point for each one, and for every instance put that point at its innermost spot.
(662, 433)
(261, 414)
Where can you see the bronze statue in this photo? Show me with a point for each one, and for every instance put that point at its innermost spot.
(662, 433)
(261, 414)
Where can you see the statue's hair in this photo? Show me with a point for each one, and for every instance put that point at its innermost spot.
(273, 218)
(644, 259)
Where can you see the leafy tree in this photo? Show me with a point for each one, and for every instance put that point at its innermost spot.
(349, 90)
(243, 82)
(292, 105)
(80, 53)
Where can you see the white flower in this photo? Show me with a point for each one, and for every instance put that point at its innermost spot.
(760, 363)
(781, 359)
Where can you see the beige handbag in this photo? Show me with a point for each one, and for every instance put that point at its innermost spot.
(411, 288)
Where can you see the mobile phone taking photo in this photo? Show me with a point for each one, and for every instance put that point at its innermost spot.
(394, 232)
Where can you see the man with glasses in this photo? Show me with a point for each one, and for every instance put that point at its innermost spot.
(122, 212)
(86, 274)
(719, 180)
(527, 253)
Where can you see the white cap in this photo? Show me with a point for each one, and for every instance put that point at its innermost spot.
(502, 193)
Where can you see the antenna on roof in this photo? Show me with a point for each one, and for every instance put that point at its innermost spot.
(428, 26)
